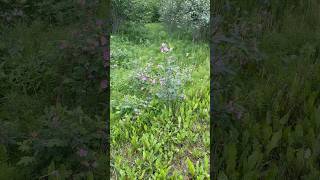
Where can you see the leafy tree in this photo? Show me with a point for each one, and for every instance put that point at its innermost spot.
(190, 15)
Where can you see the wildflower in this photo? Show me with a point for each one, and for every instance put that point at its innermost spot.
(34, 134)
(182, 96)
(164, 48)
(82, 2)
(99, 22)
(63, 45)
(144, 78)
(104, 84)
(82, 152)
(160, 66)
(234, 109)
(162, 81)
(106, 55)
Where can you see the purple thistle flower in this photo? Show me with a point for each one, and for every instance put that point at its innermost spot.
(63, 45)
(164, 48)
(104, 84)
(82, 152)
(99, 22)
(82, 2)
(144, 77)
(106, 55)
(153, 81)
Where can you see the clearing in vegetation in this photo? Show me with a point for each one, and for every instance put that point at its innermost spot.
(160, 105)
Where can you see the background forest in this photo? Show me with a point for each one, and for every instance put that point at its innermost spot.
(266, 108)
(52, 107)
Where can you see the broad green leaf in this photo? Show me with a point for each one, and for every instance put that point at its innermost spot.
(274, 141)
(222, 176)
(52, 172)
(55, 142)
(191, 167)
(26, 160)
(230, 157)
(285, 118)
(90, 176)
(254, 159)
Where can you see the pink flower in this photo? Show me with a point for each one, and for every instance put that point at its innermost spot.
(99, 22)
(82, 152)
(104, 84)
(82, 2)
(106, 55)
(144, 78)
(63, 45)
(164, 48)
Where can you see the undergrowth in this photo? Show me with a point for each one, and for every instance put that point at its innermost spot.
(160, 101)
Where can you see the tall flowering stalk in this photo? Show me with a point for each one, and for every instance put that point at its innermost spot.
(171, 82)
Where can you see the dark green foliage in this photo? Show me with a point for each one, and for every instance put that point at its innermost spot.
(51, 104)
(51, 11)
(191, 16)
(265, 116)
(139, 11)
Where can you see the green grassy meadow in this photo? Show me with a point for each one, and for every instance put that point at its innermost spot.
(156, 135)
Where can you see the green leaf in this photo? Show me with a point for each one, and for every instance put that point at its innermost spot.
(222, 176)
(55, 142)
(299, 130)
(231, 157)
(3, 153)
(90, 176)
(26, 160)
(51, 171)
(274, 141)
(191, 168)
(24, 146)
(206, 163)
(285, 119)
(254, 159)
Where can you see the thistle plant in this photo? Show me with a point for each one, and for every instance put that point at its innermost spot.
(164, 80)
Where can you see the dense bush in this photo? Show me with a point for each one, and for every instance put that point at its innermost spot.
(190, 15)
(52, 11)
(265, 111)
(51, 102)
(137, 11)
